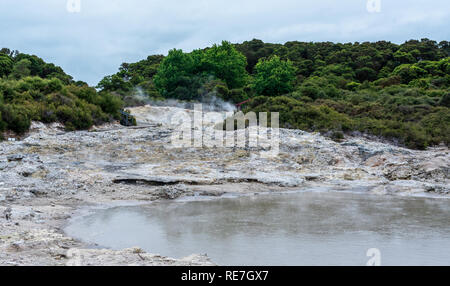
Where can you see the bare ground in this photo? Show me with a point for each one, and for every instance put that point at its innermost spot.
(49, 175)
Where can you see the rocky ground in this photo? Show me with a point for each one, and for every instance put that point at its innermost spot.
(49, 174)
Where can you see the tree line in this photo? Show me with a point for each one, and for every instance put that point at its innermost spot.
(31, 89)
(397, 92)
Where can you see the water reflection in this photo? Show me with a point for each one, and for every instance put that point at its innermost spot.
(326, 228)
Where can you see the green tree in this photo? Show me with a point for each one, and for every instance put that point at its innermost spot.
(110, 103)
(226, 63)
(21, 69)
(173, 72)
(114, 83)
(254, 50)
(409, 72)
(274, 77)
(16, 117)
(404, 58)
(366, 73)
(6, 65)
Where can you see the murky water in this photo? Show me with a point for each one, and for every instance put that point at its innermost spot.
(326, 228)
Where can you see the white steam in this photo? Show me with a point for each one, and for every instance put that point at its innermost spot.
(210, 102)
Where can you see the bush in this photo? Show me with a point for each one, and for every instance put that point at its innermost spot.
(110, 103)
(3, 124)
(274, 77)
(16, 118)
(445, 100)
(74, 118)
(6, 65)
(31, 89)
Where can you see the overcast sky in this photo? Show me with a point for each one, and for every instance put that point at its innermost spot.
(94, 42)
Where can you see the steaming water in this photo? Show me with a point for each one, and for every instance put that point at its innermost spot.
(327, 228)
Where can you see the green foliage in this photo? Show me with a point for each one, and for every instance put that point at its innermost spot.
(6, 65)
(274, 77)
(298, 114)
(414, 126)
(224, 62)
(21, 69)
(365, 73)
(110, 103)
(408, 72)
(254, 50)
(74, 117)
(184, 75)
(138, 72)
(445, 100)
(238, 95)
(319, 87)
(16, 117)
(114, 83)
(174, 76)
(353, 85)
(25, 65)
(31, 89)
(398, 92)
(179, 75)
(403, 58)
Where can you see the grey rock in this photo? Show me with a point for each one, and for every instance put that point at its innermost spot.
(3, 166)
(171, 192)
(7, 213)
(15, 158)
(366, 153)
(39, 192)
(438, 189)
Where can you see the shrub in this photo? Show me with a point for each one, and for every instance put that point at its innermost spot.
(445, 100)
(274, 77)
(16, 118)
(6, 65)
(110, 103)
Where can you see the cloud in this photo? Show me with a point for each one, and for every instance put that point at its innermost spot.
(94, 42)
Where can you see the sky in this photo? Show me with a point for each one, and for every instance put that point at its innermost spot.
(92, 41)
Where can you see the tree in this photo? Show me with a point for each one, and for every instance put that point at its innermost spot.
(445, 47)
(366, 73)
(16, 117)
(409, 72)
(404, 58)
(226, 63)
(141, 71)
(274, 77)
(11, 53)
(254, 50)
(38, 67)
(173, 71)
(110, 103)
(114, 83)
(6, 65)
(21, 69)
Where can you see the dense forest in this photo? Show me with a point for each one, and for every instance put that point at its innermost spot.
(31, 89)
(397, 92)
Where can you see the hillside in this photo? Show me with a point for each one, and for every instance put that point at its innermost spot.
(396, 92)
(33, 90)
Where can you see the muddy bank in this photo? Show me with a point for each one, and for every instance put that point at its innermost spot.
(49, 174)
